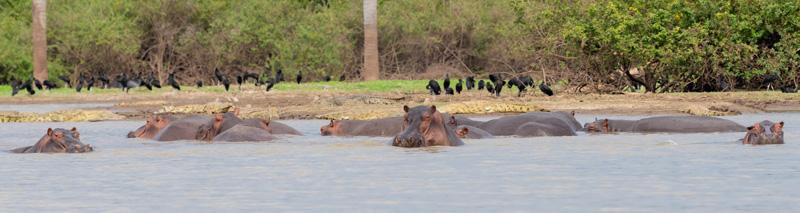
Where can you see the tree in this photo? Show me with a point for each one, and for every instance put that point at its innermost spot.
(371, 67)
(39, 39)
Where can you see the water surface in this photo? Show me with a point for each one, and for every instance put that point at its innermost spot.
(620, 172)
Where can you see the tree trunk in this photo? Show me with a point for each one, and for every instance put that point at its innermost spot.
(371, 66)
(39, 26)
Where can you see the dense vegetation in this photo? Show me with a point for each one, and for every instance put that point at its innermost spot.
(583, 44)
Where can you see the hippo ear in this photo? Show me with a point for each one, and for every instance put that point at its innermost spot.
(266, 122)
(236, 111)
(781, 124)
(453, 120)
(159, 118)
(218, 118)
(595, 118)
(50, 132)
(331, 125)
(465, 130)
(572, 113)
(433, 109)
(750, 128)
(405, 108)
(74, 129)
(605, 123)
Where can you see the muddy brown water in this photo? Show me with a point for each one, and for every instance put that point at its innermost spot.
(621, 172)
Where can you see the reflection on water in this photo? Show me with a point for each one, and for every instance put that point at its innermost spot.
(42, 108)
(619, 172)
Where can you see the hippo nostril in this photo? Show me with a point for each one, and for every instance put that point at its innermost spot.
(77, 146)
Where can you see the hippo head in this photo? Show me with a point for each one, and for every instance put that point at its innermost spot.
(264, 124)
(151, 128)
(424, 126)
(597, 126)
(757, 134)
(72, 140)
(52, 142)
(205, 132)
(334, 128)
(462, 133)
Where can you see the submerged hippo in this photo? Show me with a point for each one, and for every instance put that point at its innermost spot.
(223, 122)
(374, 128)
(758, 135)
(242, 133)
(533, 124)
(184, 128)
(467, 131)
(425, 126)
(152, 127)
(275, 128)
(682, 124)
(57, 141)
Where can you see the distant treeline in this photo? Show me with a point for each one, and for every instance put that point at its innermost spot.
(587, 45)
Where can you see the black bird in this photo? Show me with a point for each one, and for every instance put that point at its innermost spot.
(90, 82)
(299, 76)
(132, 83)
(723, 86)
(481, 84)
(470, 82)
(490, 88)
(66, 80)
(493, 78)
(498, 86)
(49, 84)
(120, 81)
(434, 88)
(227, 83)
(458, 86)
(447, 81)
(545, 89)
(270, 83)
(29, 86)
(789, 90)
(342, 78)
(174, 83)
(239, 80)
(80, 83)
(38, 84)
(146, 84)
(769, 79)
(105, 81)
(152, 81)
(15, 85)
(448, 91)
(519, 84)
(259, 82)
(249, 75)
(326, 78)
(527, 80)
(279, 76)
(218, 75)
(199, 84)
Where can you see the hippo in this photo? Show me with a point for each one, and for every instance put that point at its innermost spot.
(682, 124)
(374, 128)
(532, 124)
(606, 126)
(424, 126)
(222, 122)
(758, 135)
(467, 131)
(185, 128)
(687, 124)
(57, 141)
(275, 128)
(152, 127)
(242, 133)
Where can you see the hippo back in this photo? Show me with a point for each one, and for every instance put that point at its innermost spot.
(242, 133)
(475, 132)
(687, 124)
(184, 128)
(281, 128)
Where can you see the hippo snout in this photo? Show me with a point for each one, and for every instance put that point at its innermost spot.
(78, 148)
(131, 134)
(409, 140)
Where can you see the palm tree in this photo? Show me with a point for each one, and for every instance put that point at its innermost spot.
(371, 67)
(39, 26)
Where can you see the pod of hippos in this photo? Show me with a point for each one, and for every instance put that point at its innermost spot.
(420, 126)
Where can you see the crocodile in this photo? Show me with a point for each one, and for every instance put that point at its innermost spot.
(209, 108)
(713, 111)
(75, 115)
(263, 113)
(483, 107)
(357, 99)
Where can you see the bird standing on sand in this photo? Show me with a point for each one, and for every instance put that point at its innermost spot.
(490, 88)
(270, 83)
(218, 75)
(199, 84)
(433, 87)
(470, 82)
(65, 79)
(545, 89)
(239, 80)
(105, 81)
(326, 78)
(458, 86)
(80, 83)
(227, 83)
(481, 84)
(769, 79)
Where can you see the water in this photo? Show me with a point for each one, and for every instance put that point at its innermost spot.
(622, 172)
(42, 108)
